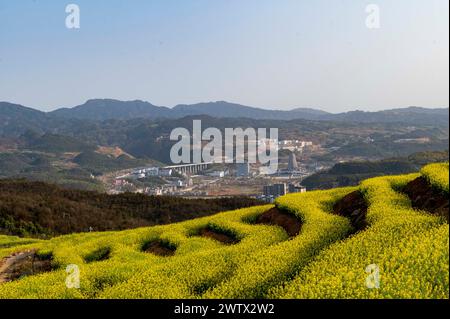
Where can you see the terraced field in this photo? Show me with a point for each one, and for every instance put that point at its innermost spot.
(364, 242)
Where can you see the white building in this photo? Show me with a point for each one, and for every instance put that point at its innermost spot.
(165, 172)
(219, 174)
(152, 171)
(180, 183)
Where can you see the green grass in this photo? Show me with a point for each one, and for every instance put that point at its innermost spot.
(13, 241)
(326, 260)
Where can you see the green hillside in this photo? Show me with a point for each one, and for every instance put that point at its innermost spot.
(344, 235)
(352, 173)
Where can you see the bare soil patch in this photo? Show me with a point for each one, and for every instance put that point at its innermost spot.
(275, 216)
(424, 197)
(112, 151)
(354, 207)
(223, 237)
(25, 263)
(159, 248)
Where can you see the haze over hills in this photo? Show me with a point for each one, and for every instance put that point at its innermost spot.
(108, 109)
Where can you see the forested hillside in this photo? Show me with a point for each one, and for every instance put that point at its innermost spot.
(41, 210)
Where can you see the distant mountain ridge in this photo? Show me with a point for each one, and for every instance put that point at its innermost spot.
(15, 119)
(106, 109)
(411, 115)
(226, 109)
(109, 109)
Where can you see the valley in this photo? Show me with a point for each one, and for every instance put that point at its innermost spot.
(87, 153)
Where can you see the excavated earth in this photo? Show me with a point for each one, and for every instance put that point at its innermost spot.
(219, 236)
(159, 248)
(291, 224)
(424, 197)
(354, 207)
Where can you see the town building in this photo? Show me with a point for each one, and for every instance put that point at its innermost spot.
(219, 174)
(296, 188)
(167, 172)
(275, 190)
(152, 171)
(242, 169)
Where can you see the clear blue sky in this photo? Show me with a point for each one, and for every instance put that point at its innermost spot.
(266, 53)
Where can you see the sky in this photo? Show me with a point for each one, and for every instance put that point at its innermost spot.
(277, 54)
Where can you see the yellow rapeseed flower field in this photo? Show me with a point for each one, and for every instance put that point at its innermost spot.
(403, 253)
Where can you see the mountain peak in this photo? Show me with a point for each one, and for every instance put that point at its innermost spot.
(106, 109)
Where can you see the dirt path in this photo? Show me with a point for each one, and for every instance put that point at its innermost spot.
(7, 263)
(22, 264)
